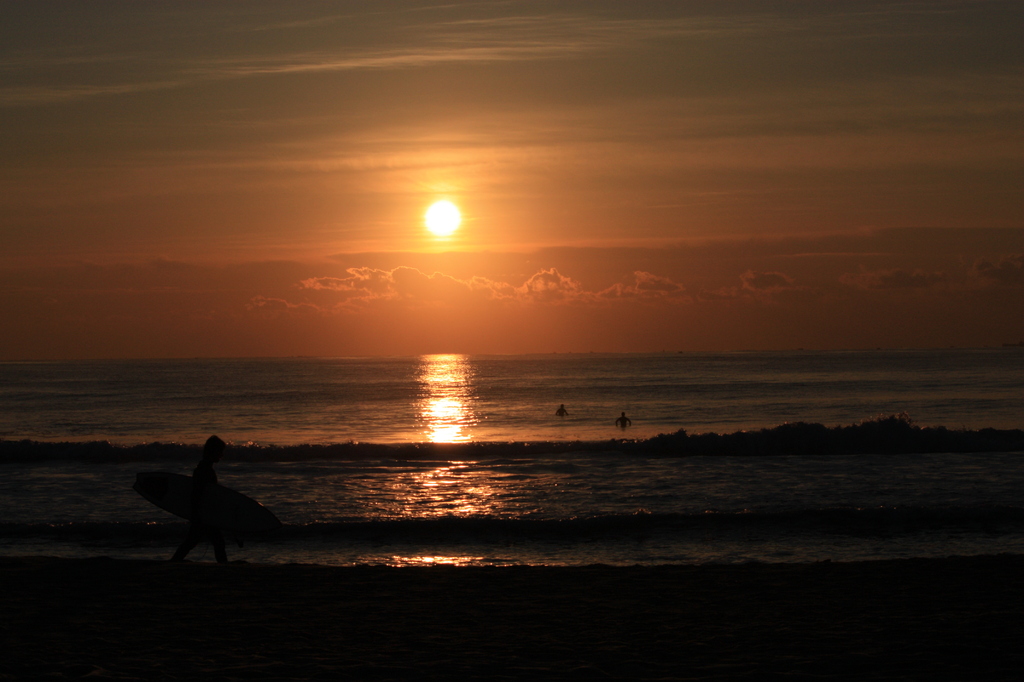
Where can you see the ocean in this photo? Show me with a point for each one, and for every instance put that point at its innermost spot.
(453, 459)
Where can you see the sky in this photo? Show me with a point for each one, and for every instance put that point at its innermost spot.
(225, 179)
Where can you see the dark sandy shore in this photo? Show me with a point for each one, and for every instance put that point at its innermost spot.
(959, 618)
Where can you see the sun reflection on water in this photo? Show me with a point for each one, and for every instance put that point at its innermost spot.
(451, 490)
(446, 395)
(420, 560)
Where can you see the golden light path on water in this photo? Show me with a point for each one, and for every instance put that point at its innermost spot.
(436, 560)
(455, 489)
(445, 406)
(445, 409)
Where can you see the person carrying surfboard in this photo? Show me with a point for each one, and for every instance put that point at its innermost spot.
(203, 477)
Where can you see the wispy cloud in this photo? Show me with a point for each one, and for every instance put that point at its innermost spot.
(414, 40)
(33, 95)
(482, 42)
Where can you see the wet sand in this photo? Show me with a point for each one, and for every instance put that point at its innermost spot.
(942, 619)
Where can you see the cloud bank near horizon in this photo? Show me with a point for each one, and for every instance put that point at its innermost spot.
(560, 300)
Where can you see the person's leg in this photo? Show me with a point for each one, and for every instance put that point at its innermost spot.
(195, 534)
(217, 538)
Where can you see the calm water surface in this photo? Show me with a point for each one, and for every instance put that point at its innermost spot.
(450, 398)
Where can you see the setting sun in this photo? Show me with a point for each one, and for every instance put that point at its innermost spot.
(443, 218)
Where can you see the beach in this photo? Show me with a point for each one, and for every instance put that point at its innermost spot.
(951, 619)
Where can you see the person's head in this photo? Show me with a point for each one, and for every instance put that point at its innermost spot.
(214, 448)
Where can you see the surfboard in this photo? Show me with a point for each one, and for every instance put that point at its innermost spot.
(221, 507)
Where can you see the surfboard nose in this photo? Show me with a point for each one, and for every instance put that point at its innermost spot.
(153, 487)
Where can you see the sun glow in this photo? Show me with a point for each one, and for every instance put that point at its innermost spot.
(442, 218)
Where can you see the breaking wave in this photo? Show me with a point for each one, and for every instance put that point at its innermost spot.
(894, 434)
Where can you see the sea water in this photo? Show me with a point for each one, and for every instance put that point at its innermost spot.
(76, 433)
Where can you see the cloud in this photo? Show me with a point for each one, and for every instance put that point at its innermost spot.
(896, 278)
(478, 41)
(646, 285)
(761, 286)
(361, 283)
(766, 282)
(423, 37)
(404, 284)
(46, 94)
(188, 75)
(275, 307)
(547, 286)
(1008, 271)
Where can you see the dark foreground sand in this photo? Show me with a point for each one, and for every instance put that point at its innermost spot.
(959, 618)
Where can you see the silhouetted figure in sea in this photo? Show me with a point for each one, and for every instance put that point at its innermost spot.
(203, 477)
(561, 411)
(623, 421)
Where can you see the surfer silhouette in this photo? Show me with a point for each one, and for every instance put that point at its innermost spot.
(623, 421)
(561, 411)
(203, 477)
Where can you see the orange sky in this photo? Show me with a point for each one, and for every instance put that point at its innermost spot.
(225, 179)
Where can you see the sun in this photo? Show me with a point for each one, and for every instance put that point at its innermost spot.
(442, 218)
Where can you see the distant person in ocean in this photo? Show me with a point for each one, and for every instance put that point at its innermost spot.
(561, 411)
(203, 477)
(623, 421)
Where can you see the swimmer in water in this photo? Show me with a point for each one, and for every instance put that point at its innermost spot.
(561, 411)
(623, 421)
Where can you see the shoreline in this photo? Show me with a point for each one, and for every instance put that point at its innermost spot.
(895, 434)
(952, 618)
